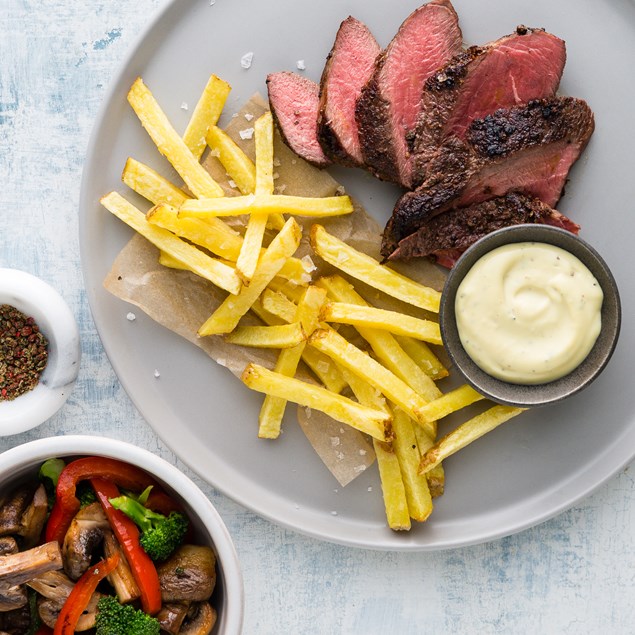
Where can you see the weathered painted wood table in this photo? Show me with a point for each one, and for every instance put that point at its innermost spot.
(573, 574)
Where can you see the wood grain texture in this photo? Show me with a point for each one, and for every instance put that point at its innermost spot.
(571, 575)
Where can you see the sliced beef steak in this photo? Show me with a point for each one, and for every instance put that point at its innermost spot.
(349, 66)
(446, 236)
(510, 71)
(527, 149)
(389, 103)
(294, 103)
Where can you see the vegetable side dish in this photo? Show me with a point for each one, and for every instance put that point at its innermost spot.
(96, 545)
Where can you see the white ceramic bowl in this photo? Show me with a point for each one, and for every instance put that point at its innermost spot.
(23, 462)
(37, 299)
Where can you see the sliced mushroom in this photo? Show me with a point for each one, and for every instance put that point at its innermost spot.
(12, 598)
(8, 545)
(171, 616)
(53, 585)
(50, 609)
(121, 578)
(85, 534)
(12, 509)
(201, 621)
(18, 568)
(33, 519)
(188, 575)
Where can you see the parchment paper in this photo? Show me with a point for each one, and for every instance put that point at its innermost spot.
(181, 301)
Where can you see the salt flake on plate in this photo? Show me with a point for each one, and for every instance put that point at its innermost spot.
(246, 59)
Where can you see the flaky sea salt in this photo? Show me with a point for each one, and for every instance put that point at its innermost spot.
(335, 441)
(246, 59)
(184, 106)
(131, 317)
(358, 469)
(362, 452)
(232, 183)
(248, 116)
(300, 65)
(307, 264)
(157, 374)
(247, 133)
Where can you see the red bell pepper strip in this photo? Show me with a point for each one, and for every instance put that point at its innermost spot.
(127, 533)
(79, 597)
(66, 503)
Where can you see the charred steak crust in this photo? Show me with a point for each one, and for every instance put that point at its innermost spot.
(541, 121)
(492, 144)
(426, 40)
(449, 234)
(514, 69)
(348, 67)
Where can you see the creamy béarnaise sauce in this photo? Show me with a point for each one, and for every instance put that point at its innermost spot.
(528, 313)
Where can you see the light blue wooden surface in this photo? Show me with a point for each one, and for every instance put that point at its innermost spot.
(574, 574)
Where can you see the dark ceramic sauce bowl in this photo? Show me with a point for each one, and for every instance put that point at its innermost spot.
(524, 395)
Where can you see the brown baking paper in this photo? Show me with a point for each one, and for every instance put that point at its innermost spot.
(182, 301)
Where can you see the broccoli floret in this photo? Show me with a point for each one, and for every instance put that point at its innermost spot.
(114, 618)
(160, 535)
(86, 494)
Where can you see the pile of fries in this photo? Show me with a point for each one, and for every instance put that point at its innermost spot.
(372, 368)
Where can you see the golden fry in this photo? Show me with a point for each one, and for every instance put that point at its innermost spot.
(362, 267)
(228, 314)
(351, 357)
(237, 164)
(169, 143)
(268, 204)
(373, 422)
(392, 321)
(151, 185)
(466, 433)
(283, 336)
(450, 402)
(203, 265)
(206, 113)
(423, 357)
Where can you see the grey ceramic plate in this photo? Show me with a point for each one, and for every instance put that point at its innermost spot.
(521, 474)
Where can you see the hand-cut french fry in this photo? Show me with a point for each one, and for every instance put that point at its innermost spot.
(421, 354)
(449, 402)
(228, 314)
(291, 290)
(346, 354)
(467, 432)
(322, 366)
(268, 204)
(373, 422)
(213, 234)
(283, 336)
(170, 261)
(206, 113)
(392, 321)
(203, 265)
(436, 476)
(237, 164)
(362, 267)
(407, 450)
(272, 411)
(151, 185)
(169, 143)
(248, 258)
(278, 304)
(392, 485)
(384, 345)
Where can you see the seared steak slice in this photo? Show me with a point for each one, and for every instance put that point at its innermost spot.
(294, 103)
(510, 71)
(528, 149)
(446, 236)
(349, 66)
(390, 102)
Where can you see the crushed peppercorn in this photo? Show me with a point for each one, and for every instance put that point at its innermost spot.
(23, 353)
